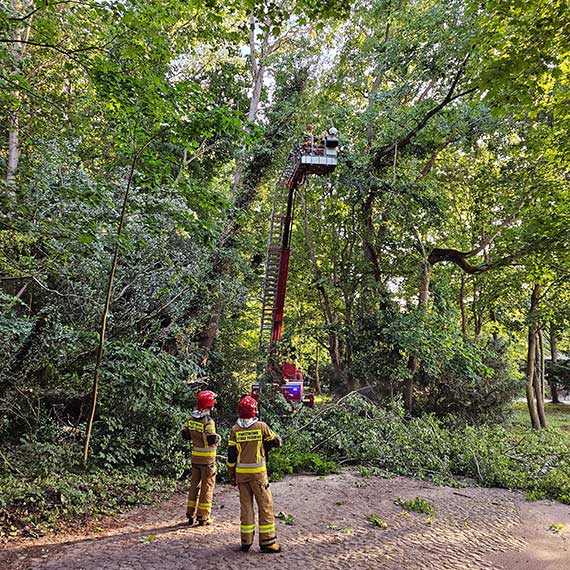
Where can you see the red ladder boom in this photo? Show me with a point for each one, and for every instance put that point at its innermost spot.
(310, 157)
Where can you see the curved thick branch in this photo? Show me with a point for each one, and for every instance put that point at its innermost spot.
(451, 96)
(460, 258)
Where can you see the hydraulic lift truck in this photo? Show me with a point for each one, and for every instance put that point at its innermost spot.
(312, 156)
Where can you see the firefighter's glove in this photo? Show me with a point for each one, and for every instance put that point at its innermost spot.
(213, 439)
(272, 443)
(186, 434)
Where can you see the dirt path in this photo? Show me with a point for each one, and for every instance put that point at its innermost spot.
(473, 529)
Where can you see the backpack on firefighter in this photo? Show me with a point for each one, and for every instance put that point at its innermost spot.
(249, 441)
(200, 429)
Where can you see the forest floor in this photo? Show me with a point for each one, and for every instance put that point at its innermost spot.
(472, 529)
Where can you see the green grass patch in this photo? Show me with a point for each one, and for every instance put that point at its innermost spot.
(322, 399)
(557, 416)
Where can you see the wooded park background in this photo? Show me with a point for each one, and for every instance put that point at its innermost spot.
(429, 273)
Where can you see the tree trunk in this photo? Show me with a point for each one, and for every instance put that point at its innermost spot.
(553, 360)
(330, 319)
(317, 373)
(13, 150)
(369, 248)
(462, 307)
(210, 332)
(531, 361)
(257, 65)
(18, 49)
(413, 361)
(539, 379)
(493, 317)
(476, 313)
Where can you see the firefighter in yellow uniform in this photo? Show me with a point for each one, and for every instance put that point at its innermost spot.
(201, 431)
(249, 441)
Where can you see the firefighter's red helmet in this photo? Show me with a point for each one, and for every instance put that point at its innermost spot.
(247, 407)
(205, 399)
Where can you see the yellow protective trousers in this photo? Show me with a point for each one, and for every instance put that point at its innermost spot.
(201, 491)
(257, 487)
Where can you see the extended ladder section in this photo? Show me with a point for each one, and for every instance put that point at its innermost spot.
(308, 158)
(274, 254)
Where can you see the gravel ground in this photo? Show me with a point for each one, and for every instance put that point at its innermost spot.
(473, 529)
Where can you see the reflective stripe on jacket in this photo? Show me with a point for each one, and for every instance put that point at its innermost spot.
(248, 442)
(200, 429)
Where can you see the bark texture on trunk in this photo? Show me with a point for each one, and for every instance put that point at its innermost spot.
(257, 58)
(413, 361)
(462, 307)
(532, 394)
(493, 317)
(332, 322)
(13, 149)
(553, 360)
(18, 49)
(539, 379)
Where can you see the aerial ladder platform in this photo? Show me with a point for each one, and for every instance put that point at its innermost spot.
(315, 155)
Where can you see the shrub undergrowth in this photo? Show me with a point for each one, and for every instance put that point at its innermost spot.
(357, 432)
(32, 506)
(48, 487)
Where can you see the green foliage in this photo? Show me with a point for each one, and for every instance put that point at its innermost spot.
(144, 403)
(286, 518)
(360, 433)
(33, 505)
(162, 89)
(375, 520)
(285, 461)
(417, 505)
(474, 382)
(279, 464)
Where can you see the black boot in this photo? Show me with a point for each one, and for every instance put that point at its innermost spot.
(245, 547)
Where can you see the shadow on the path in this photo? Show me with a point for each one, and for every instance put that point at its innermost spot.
(35, 551)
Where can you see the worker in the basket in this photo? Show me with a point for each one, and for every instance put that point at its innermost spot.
(309, 138)
(200, 429)
(249, 441)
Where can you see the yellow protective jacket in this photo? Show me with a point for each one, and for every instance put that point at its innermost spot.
(201, 431)
(247, 447)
